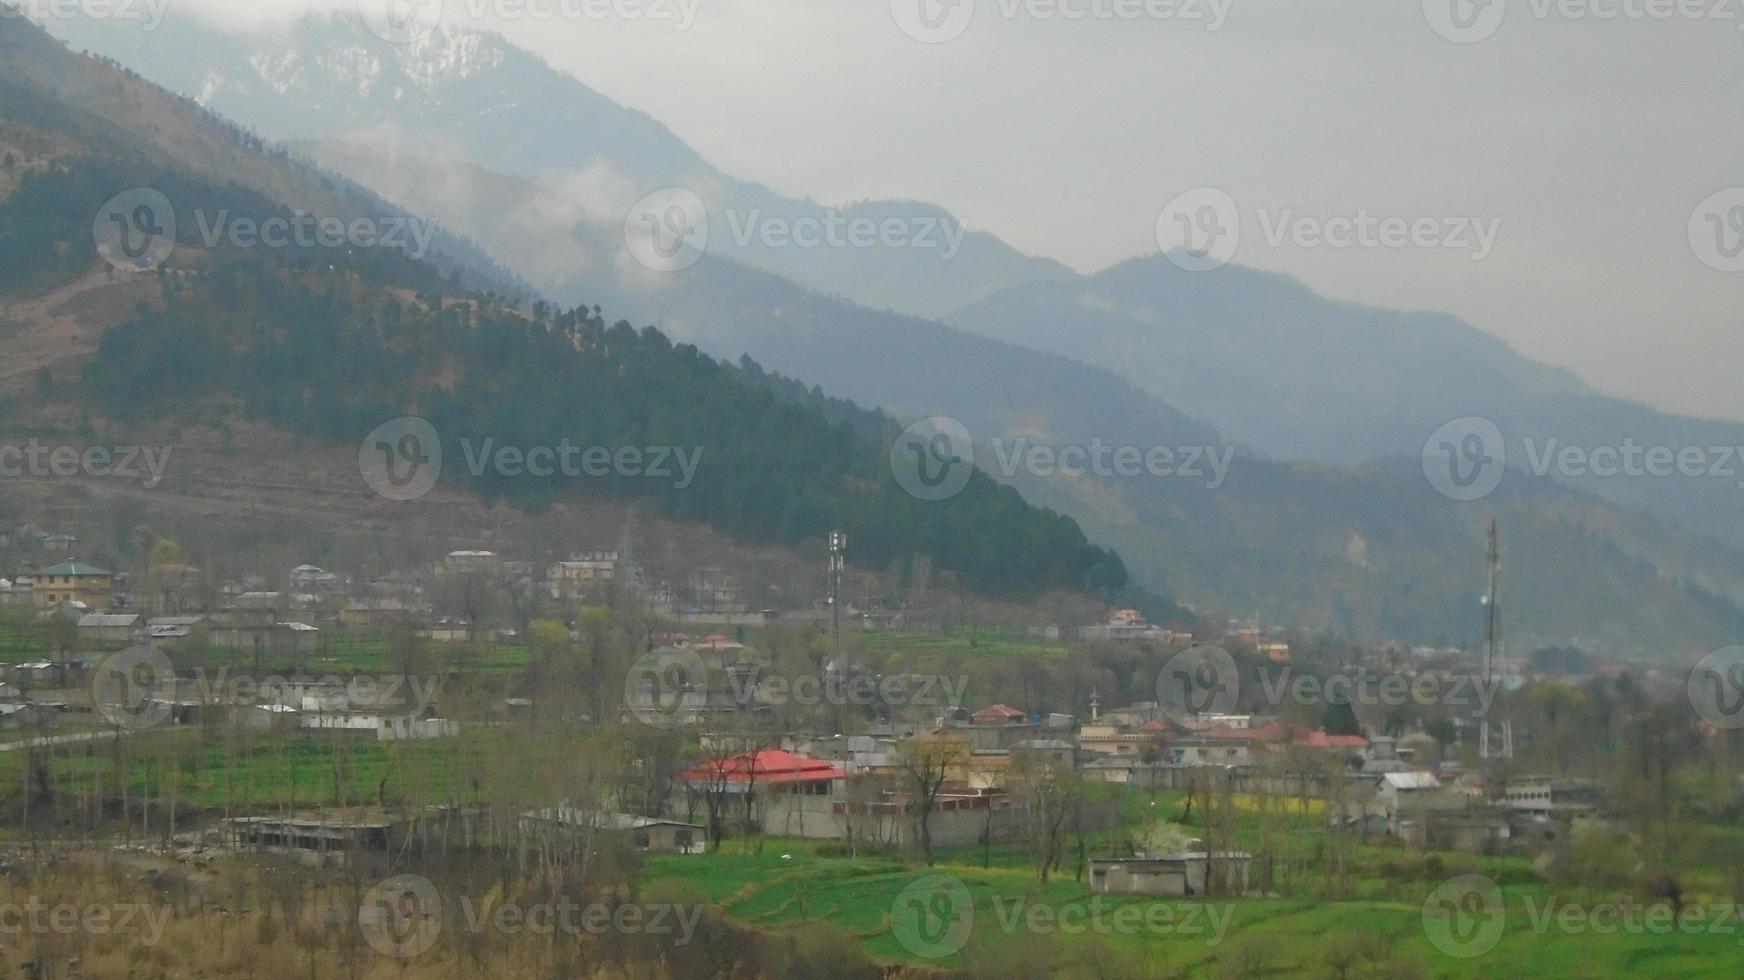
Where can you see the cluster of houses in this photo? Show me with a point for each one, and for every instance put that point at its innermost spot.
(1131, 626)
(257, 615)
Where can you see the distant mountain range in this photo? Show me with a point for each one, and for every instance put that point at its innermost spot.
(542, 172)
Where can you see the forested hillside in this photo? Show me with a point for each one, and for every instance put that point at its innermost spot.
(331, 343)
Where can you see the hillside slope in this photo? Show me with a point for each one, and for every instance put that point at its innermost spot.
(1298, 376)
(1372, 551)
(329, 341)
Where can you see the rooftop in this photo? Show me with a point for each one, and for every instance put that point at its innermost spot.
(76, 569)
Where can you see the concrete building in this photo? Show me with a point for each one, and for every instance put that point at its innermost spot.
(110, 629)
(1190, 874)
(72, 581)
(651, 835)
(327, 838)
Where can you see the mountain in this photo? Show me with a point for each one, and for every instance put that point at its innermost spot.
(1298, 376)
(328, 342)
(475, 96)
(1368, 550)
(1274, 366)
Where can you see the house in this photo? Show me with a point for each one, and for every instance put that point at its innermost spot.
(580, 573)
(1208, 751)
(1131, 716)
(1190, 874)
(652, 835)
(1110, 740)
(312, 578)
(998, 714)
(172, 627)
(470, 562)
(72, 581)
(1044, 752)
(39, 674)
(405, 728)
(373, 614)
(17, 717)
(329, 838)
(1407, 798)
(1403, 790)
(792, 795)
(110, 629)
(447, 631)
(14, 593)
(723, 648)
(998, 728)
(60, 543)
(1474, 830)
(268, 717)
(1125, 626)
(1546, 796)
(1109, 769)
(853, 752)
(267, 638)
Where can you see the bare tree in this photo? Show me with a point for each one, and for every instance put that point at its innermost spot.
(926, 762)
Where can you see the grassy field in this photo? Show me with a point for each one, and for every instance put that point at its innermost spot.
(343, 653)
(293, 770)
(1015, 919)
(927, 649)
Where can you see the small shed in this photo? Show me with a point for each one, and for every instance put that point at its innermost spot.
(1189, 874)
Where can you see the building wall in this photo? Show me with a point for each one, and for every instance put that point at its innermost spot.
(92, 590)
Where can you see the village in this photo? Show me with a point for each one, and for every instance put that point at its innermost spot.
(902, 763)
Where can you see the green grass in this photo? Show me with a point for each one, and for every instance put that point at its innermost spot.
(925, 649)
(294, 770)
(1382, 895)
(1285, 937)
(348, 653)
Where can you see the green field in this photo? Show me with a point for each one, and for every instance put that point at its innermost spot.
(928, 649)
(288, 770)
(788, 886)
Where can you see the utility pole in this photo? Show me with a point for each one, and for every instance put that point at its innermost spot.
(838, 548)
(1492, 641)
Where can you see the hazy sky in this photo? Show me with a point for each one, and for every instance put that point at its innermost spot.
(1585, 134)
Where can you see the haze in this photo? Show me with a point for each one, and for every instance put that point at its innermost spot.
(1589, 139)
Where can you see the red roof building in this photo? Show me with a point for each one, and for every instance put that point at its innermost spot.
(770, 766)
(999, 714)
